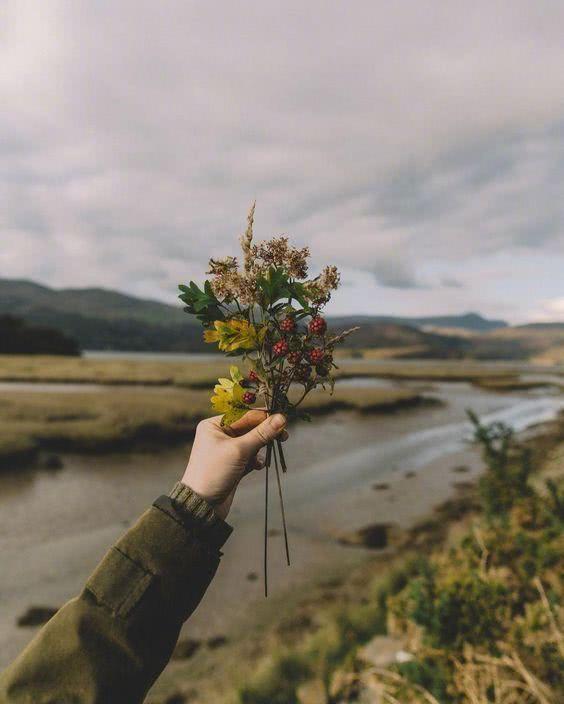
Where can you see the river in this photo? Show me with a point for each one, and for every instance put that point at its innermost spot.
(56, 525)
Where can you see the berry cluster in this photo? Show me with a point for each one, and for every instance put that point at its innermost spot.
(280, 348)
(317, 325)
(288, 325)
(316, 355)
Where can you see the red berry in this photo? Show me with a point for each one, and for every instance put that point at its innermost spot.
(316, 355)
(280, 349)
(317, 325)
(253, 376)
(294, 357)
(249, 397)
(287, 325)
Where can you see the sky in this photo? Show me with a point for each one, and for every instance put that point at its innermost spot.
(419, 146)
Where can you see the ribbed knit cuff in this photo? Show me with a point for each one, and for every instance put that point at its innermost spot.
(197, 514)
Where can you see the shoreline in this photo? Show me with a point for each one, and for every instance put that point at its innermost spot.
(174, 425)
(288, 617)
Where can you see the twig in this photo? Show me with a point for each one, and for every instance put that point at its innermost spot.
(282, 507)
(266, 530)
(281, 455)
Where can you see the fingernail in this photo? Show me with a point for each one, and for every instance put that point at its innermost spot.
(277, 421)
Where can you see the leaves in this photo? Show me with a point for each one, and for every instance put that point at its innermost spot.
(201, 303)
(235, 334)
(228, 397)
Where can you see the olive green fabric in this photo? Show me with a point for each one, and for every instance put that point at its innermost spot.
(109, 644)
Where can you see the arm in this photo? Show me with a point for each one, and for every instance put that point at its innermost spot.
(111, 642)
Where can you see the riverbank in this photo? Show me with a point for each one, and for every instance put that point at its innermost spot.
(125, 419)
(312, 635)
(200, 371)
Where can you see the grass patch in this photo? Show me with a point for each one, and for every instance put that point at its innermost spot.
(514, 383)
(480, 611)
(202, 374)
(127, 419)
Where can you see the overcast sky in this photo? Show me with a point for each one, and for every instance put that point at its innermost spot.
(417, 145)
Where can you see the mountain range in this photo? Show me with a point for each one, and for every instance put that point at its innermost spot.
(101, 319)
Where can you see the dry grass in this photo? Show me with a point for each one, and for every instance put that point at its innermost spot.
(514, 383)
(80, 370)
(435, 371)
(124, 419)
(199, 374)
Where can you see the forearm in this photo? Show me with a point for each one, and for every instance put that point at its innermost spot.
(113, 640)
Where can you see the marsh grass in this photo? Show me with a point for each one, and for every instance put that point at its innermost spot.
(466, 647)
(203, 374)
(127, 419)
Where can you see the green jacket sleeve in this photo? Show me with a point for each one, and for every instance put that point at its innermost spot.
(110, 643)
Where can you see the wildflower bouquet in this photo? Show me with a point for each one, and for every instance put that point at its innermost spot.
(268, 313)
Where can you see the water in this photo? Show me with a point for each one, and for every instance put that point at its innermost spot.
(55, 526)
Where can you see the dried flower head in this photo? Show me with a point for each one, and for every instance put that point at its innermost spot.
(319, 289)
(246, 241)
(278, 253)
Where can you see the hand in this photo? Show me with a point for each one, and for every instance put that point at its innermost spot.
(221, 456)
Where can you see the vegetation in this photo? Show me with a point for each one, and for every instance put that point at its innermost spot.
(103, 319)
(197, 374)
(480, 620)
(107, 420)
(17, 337)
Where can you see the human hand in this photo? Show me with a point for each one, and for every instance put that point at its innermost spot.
(221, 456)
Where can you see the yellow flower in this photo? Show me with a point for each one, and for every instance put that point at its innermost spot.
(228, 398)
(235, 334)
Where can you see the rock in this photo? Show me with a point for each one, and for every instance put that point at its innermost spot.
(410, 474)
(185, 649)
(463, 486)
(381, 651)
(36, 616)
(176, 699)
(460, 469)
(376, 536)
(52, 461)
(381, 486)
(312, 692)
(216, 642)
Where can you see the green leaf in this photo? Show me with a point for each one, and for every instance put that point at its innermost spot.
(233, 414)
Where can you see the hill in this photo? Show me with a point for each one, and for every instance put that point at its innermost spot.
(101, 319)
(17, 337)
(467, 321)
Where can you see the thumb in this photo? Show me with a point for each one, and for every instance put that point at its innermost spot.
(264, 433)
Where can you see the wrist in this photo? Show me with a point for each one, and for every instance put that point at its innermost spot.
(198, 512)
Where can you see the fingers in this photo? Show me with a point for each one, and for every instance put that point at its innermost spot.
(262, 434)
(249, 421)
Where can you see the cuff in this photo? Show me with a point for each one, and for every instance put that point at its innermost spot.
(191, 510)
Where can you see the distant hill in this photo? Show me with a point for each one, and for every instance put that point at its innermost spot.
(467, 321)
(18, 337)
(101, 319)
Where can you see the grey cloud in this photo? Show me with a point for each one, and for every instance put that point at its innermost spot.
(395, 273)
(393, 140)
(450, 282)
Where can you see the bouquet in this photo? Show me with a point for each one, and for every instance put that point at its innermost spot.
(268, 313)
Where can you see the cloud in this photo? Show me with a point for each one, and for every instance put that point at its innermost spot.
(409, 147)
(449, 282)
(395, 273)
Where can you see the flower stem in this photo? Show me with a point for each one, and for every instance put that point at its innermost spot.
(282, 506)
(266, 533)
